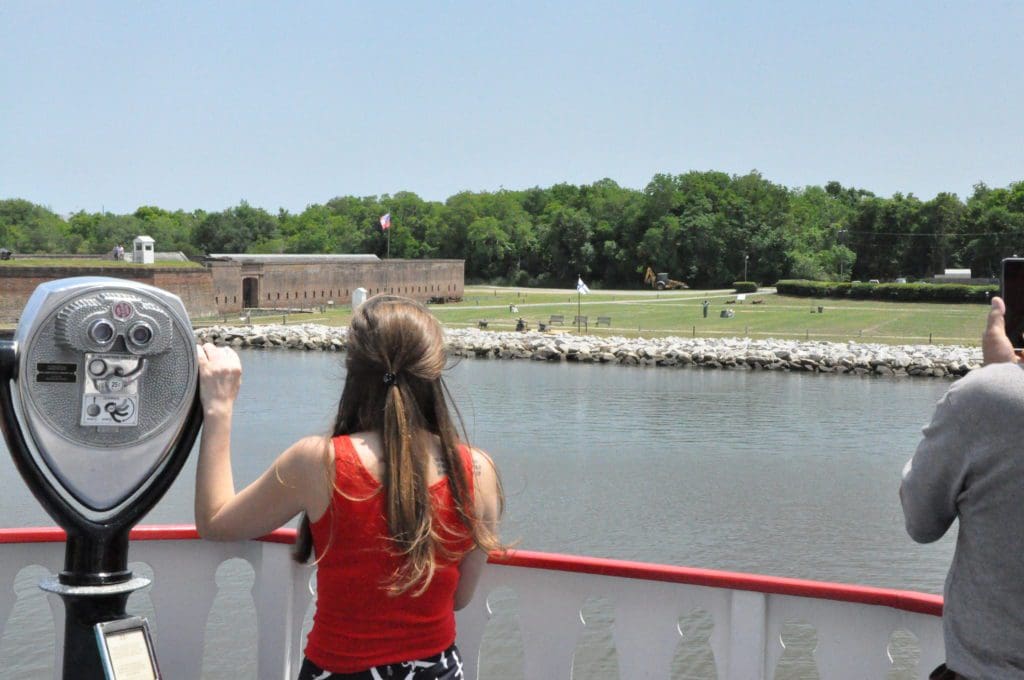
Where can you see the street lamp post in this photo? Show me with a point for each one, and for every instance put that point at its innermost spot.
(745, 258)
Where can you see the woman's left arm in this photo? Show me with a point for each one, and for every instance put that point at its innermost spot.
(286, 488)
(487, 503)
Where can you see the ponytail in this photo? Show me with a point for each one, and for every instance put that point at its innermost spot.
(407, 494)
(395, 358)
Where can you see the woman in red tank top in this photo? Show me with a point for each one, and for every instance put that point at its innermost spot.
(398, 512)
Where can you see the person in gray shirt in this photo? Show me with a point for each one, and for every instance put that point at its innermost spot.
(970, 466)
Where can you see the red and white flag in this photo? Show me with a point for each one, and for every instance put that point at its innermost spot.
(385, 221)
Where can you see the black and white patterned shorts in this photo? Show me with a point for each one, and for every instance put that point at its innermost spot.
(444, 666)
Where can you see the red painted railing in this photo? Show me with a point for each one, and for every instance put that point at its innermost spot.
(749, 611)
(905, 600)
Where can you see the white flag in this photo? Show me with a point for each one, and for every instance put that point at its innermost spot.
(581, 287)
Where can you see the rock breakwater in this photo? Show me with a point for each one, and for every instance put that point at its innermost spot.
(725, 353)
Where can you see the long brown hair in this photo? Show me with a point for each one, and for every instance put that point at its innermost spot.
(394, 386)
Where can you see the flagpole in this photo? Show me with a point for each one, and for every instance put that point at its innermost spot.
(579, 309)
(385, 224)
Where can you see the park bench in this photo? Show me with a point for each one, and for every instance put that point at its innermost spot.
(580, 321)
(604, 321)
(556, 318)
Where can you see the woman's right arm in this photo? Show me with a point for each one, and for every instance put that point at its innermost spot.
(487, 502)
(292, 484)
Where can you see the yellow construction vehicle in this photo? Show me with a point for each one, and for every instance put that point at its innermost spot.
(661, 281)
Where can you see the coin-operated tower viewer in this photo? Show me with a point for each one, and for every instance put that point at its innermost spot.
(100, 409)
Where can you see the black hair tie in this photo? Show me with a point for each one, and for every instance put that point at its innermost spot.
(389, 379)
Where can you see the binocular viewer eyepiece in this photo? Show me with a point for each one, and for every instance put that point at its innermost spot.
(106, 376)
(100, 408)
(99, 399)
(98, 320)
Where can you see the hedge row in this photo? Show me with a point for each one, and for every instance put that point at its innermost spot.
(745, 286)
(903, 292)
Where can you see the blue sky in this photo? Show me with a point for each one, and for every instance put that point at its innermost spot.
(200, 105)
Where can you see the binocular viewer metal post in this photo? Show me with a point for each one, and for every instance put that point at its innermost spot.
(100, 409)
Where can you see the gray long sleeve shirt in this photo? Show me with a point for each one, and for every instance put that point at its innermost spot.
(970, 465)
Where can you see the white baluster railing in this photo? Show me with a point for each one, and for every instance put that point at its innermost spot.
(852, 625)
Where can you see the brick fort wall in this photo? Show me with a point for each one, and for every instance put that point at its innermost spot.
(226, 287)
(300, 285)
(193, 286)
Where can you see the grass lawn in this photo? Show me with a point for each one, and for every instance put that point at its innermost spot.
(91, 262)
(644, 313)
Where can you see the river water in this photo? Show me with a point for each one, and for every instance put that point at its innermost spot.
(788, 474)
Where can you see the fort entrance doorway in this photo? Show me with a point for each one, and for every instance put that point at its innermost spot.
(250, 292)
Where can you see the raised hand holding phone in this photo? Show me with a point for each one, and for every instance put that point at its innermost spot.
(1012, 284)
(995, 345)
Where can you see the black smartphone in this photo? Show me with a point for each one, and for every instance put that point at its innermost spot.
(1013, 296)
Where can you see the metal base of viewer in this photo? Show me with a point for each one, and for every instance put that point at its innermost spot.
(84, 607)
(52, 584)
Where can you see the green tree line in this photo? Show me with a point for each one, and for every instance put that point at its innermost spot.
(701, 227)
